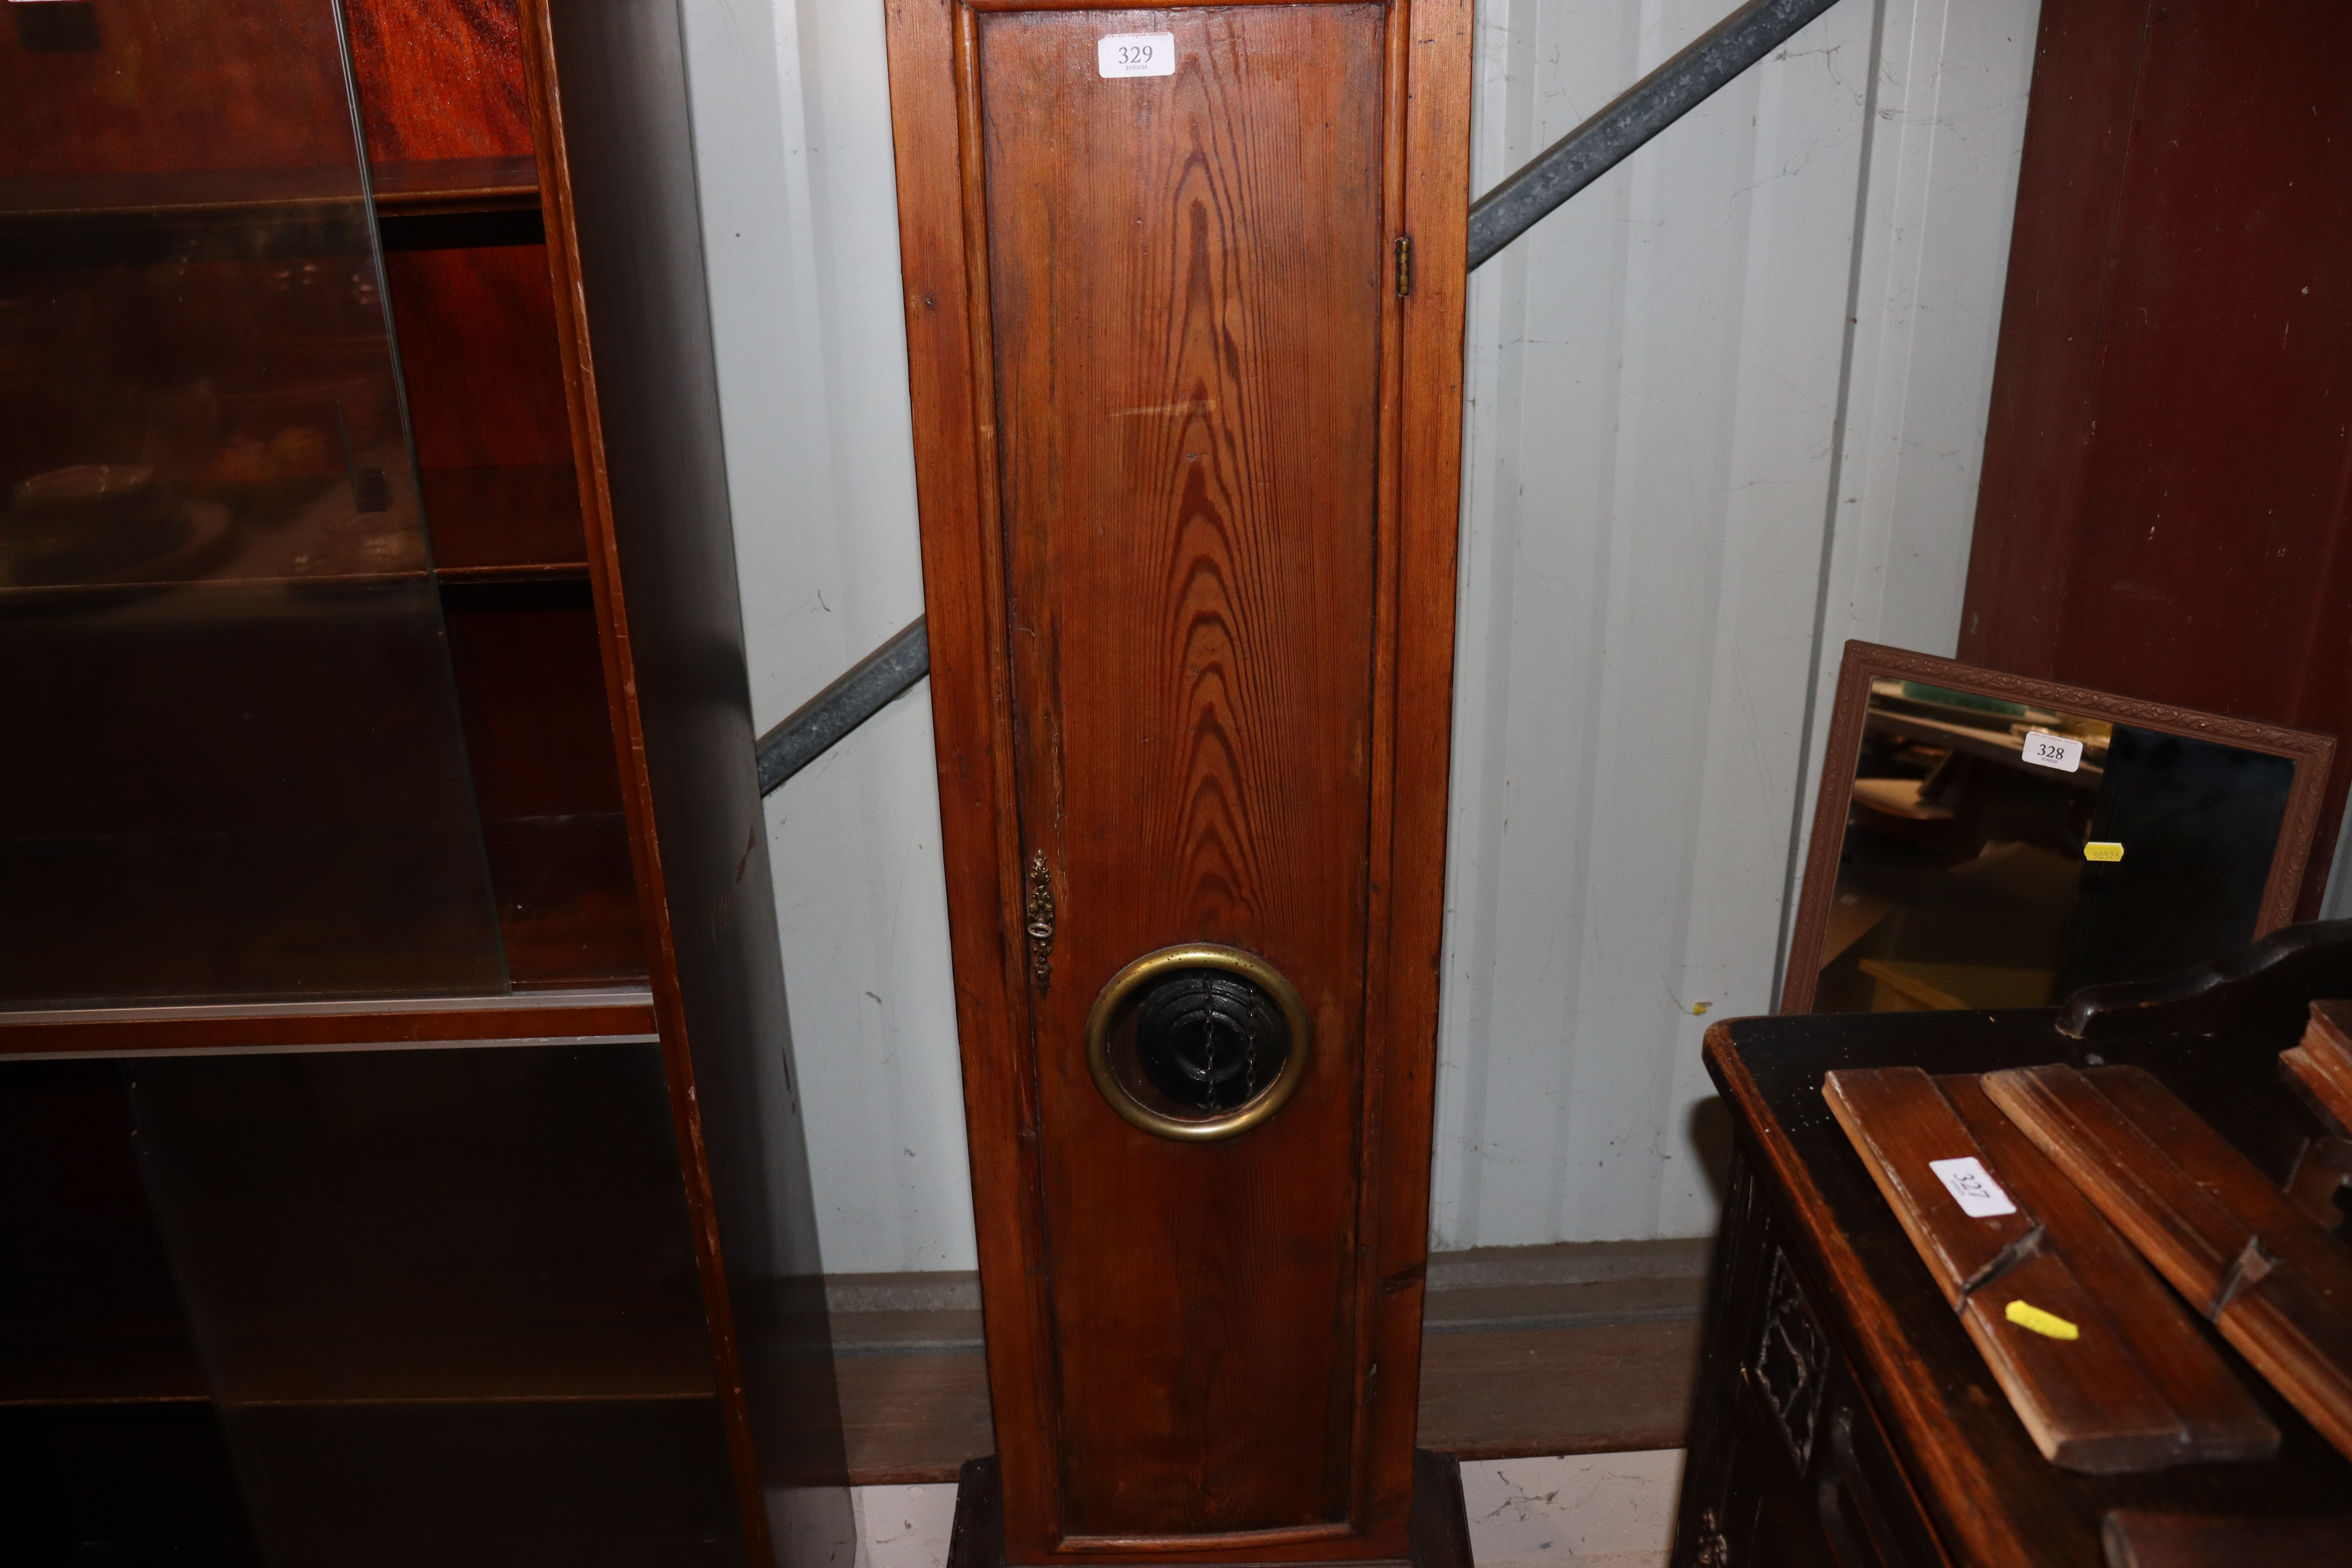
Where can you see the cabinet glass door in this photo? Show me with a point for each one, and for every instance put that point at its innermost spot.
(235, 765)
(446, 1303)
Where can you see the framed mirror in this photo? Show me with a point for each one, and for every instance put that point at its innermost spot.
(1987, 840)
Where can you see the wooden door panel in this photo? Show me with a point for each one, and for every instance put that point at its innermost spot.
(1186, 278)
(1187, 465)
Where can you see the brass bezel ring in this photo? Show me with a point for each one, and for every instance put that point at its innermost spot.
(1153, 966)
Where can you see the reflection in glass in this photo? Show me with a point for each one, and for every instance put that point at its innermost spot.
(235, 768)
(354, 1307)
(2001, 856)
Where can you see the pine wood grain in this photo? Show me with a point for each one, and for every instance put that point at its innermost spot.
(1189, 494)
(1215, 690)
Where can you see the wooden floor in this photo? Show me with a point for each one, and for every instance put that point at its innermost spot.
(1528, 1351)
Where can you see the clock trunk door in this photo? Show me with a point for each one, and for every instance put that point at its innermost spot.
(1189, 276)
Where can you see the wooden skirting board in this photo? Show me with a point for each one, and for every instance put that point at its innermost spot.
(1576, 1350)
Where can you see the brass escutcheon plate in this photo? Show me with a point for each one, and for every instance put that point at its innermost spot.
(1127, 986)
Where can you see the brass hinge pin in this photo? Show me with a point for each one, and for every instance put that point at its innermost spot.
(1404, 265)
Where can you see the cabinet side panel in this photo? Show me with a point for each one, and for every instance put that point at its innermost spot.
(625, 228)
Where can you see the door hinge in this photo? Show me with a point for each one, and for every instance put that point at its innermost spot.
(1405, 264)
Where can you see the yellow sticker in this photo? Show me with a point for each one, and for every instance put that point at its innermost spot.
(2041, 1323)
(2097, 851)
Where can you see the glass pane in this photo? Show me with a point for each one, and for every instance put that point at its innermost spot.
(109, 1448)
(236, 768)
(446, 1301)
(2000, 856)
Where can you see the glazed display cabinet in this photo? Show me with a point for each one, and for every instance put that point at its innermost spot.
(387, 967)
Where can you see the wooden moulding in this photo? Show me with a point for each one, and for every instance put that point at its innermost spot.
(2320, 1067)
(2313, 755)
(2140, 1389)
(2276, 1284)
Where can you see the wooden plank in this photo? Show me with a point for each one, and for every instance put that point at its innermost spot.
(1607, 1388)
(2284, 1230)
(2087, 1402)
(2298, 1340)
(911, 1419)
(1899, 1122)
(2331, 1025)
(2180, 1229)
(2180, 1191)
(2219, 1420)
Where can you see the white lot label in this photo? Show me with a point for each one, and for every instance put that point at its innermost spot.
(2061, 751)
(1136, 54)
(1978, 1196)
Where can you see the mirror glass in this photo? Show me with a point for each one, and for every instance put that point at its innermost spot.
(2000, 853)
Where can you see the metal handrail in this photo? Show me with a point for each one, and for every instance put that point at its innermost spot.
(1496, 218)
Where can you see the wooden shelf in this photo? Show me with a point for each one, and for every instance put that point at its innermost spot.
(505, 525)
(620, 1014)
(154, 1372)
(519, 524)
(567, 901)
(252, 214)
(521, 1368)
(528, 1365)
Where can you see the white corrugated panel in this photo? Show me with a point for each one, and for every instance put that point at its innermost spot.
(1666, 521)
(1727, 406)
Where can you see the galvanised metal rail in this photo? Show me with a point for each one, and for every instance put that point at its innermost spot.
(1496, 218)
(871, 685)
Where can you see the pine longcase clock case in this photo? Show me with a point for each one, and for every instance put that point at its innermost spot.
(1186, 356)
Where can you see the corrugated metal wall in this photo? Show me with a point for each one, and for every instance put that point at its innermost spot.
(1726, 411)
(1728, 403)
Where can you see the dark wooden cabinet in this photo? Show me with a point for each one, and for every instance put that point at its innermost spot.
(1184, 292)
(2163, 506)
(395, 1110)
(1843, 1415)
